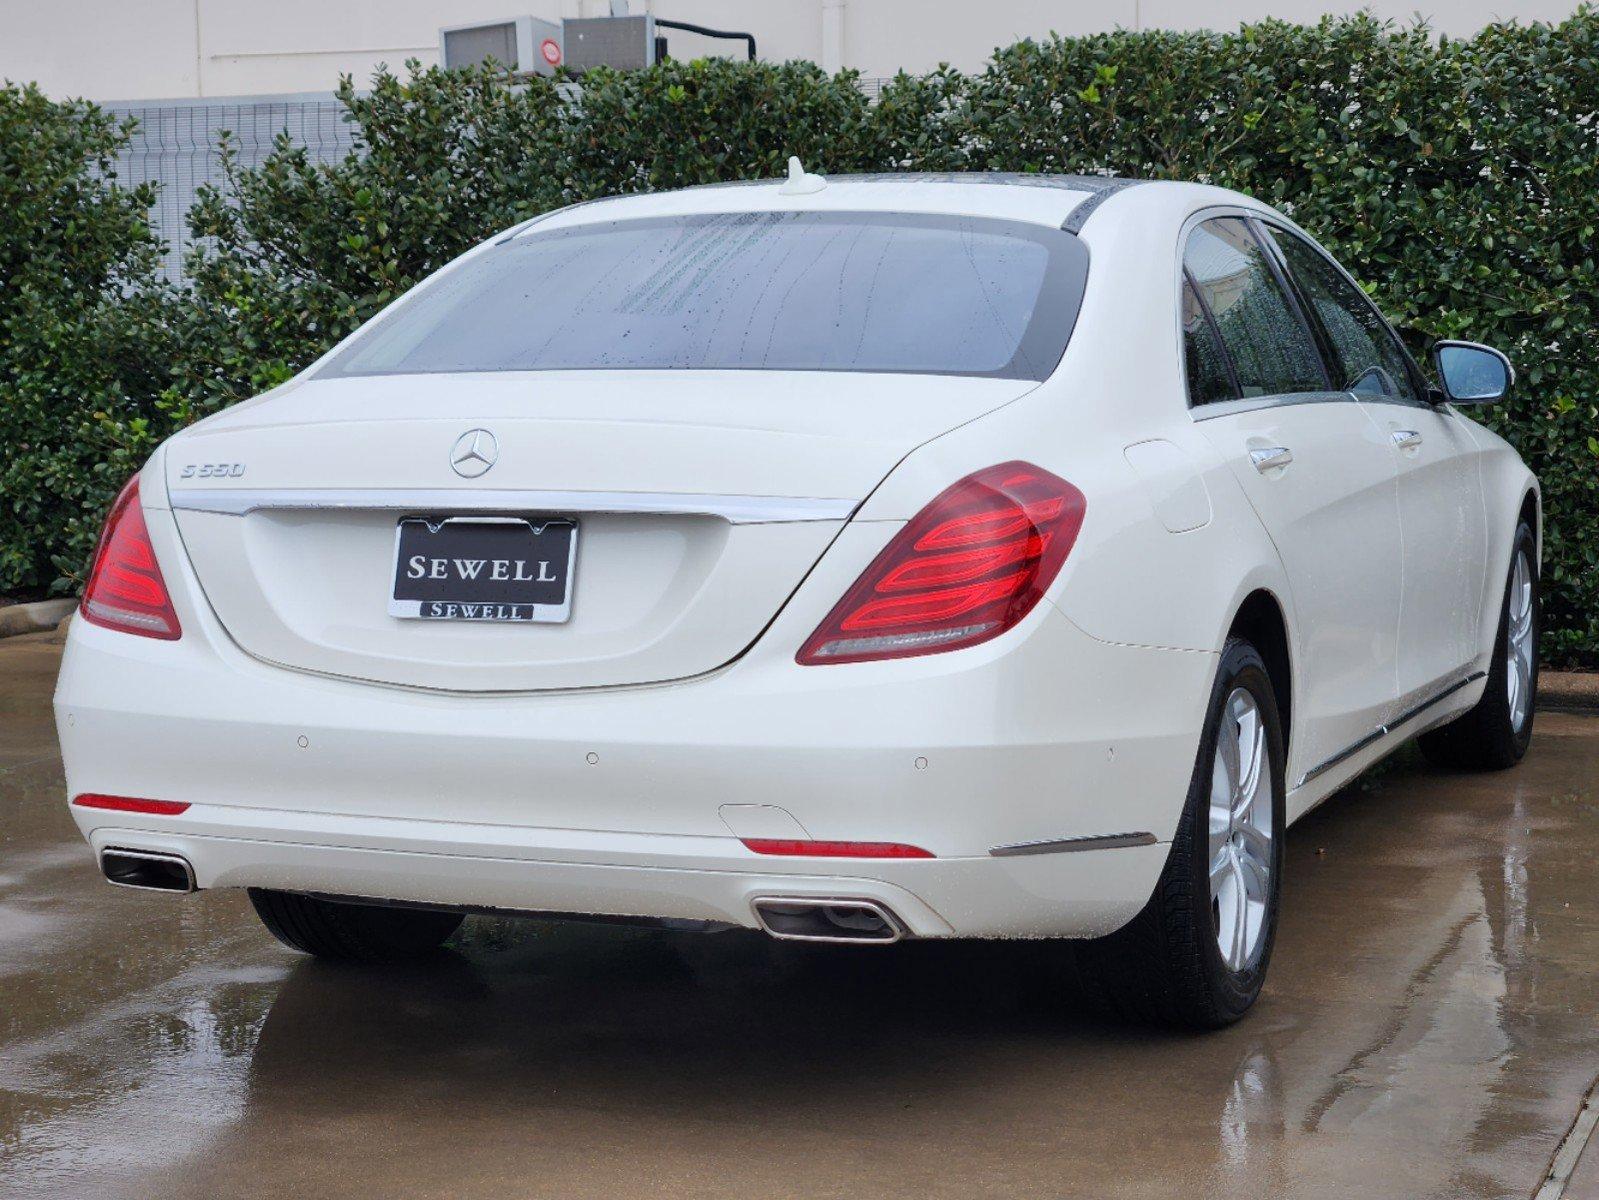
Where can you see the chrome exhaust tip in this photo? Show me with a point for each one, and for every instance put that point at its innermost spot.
(826, 919)
(147, 870)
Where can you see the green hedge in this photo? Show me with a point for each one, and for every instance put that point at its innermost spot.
(1459, 179)
(85, 332)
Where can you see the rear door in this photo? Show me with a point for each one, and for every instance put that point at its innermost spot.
(1441, 509)
(1317, 470)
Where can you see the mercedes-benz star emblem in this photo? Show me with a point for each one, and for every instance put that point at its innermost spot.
(475, 452)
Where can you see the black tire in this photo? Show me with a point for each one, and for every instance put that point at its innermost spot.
(1486, 737)
(371, 933)
(1165, 967)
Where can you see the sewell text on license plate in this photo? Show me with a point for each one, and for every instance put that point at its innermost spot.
(483, 569)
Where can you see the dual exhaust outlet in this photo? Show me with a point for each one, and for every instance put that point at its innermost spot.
(825, 919)
(791, 918)
(151, 870)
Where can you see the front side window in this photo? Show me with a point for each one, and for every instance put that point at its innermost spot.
(1367, 358)
(1270, 348)
(779, 291)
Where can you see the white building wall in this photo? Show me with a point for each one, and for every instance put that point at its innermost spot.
(100, 48)
(149, 49)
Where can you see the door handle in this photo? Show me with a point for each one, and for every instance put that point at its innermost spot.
(1271, 457)
(1406, 439)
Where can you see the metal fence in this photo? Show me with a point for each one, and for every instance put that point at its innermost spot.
(175, 145)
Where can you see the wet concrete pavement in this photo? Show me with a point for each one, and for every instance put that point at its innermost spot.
(1429, 1029)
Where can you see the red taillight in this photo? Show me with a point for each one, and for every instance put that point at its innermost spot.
(126, 591)
(133, 804)
(966, 568)
(798, 848)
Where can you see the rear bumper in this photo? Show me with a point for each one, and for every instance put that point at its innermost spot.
(613, 801)
(704, 880)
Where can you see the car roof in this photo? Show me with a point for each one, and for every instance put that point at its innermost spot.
(1059, 201)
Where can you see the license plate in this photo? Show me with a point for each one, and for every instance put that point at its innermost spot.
(483, 569)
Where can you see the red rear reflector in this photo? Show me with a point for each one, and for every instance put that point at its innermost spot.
(126, 590)
(965, 569)
(834, 849)
(159, 808)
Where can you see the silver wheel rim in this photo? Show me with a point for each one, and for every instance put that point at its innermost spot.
(1240, 832)
(1519, 647)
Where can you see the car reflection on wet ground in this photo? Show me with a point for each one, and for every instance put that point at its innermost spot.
(1429, 1029)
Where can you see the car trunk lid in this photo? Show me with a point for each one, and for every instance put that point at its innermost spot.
(700, 501)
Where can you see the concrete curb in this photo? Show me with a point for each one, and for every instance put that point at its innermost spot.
(34, 618)
(1569, 689)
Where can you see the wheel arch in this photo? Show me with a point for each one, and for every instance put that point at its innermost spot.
(1532, 513)
(1261, 620)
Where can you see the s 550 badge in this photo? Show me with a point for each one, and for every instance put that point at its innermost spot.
(211, 471)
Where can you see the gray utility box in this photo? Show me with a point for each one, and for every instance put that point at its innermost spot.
(522, 44)
(626, 43)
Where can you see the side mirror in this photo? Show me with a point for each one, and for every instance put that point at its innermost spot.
(1471, 373)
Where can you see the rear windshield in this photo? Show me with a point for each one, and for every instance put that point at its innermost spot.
(746, 291)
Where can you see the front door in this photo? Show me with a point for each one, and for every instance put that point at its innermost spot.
(1442, 514)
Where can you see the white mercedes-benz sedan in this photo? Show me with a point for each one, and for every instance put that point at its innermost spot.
(857, 559)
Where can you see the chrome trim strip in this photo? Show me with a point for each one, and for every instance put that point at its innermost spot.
(1381, 731)
(1093, 841)
(1347, 752)
(1228, 408)
(1411, 713)
(737, 510)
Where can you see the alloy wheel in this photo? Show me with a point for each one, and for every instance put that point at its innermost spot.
(1240, 843)
(1519, 647)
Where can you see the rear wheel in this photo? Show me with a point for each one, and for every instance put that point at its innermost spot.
(351, 932)
(1196, 954)
(1495, 733)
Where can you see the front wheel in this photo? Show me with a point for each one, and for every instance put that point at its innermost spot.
(1495, 733)
(1196, 954)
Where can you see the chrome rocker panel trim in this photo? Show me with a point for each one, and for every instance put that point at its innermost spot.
(1381, 731)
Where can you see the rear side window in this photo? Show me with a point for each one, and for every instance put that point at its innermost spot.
(1209, 377)
(1270, 348)
(1366, 354)
(776, 291)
